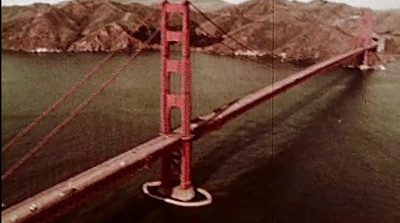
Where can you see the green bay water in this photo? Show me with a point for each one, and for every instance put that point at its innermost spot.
(328, 150)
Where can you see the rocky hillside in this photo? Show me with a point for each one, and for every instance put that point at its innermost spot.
(73, 26)
(209, 5)
(300, 32)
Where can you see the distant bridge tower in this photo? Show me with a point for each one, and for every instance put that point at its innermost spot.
(366, 29)
(364, 38)
(175, 189)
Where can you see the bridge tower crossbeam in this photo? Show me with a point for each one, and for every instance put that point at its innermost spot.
(177, 191)
(62, 197)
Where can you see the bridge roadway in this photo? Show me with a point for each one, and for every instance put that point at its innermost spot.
(57, 199)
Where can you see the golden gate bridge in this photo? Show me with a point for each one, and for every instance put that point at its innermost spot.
(173, 147)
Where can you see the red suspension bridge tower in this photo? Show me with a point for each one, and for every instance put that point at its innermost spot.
(364, 38)
(173, 146)
(175, 185)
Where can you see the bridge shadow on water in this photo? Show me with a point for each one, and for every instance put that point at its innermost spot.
(297, 184)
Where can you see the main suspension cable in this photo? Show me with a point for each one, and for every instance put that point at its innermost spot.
(205, 31)
(76, 111)
(219, 28)
(224, 32)
(57, 103)
(65, 96)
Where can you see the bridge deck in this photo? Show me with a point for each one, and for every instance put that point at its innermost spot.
(76, 187)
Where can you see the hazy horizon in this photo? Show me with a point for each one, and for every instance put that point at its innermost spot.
(381, 5)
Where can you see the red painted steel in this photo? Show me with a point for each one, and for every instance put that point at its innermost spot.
(181, 101)
(141, 156)
(365, 33)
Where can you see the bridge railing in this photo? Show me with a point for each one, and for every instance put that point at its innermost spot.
(54, 200)
(66, 194)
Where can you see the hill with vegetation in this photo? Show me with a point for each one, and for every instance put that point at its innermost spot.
(289, 30)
